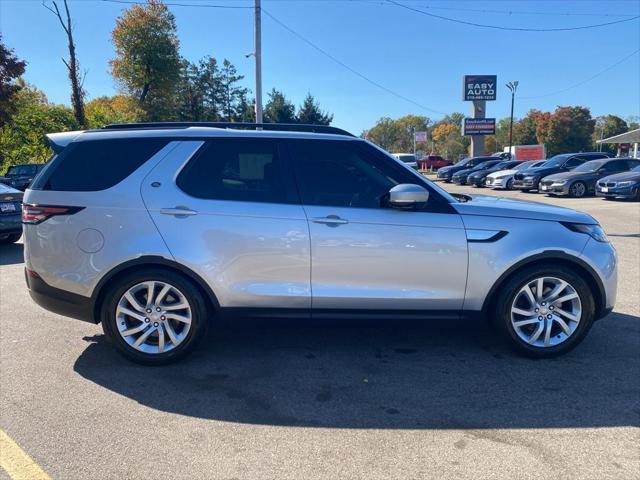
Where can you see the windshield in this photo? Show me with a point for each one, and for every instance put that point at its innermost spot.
(591, 166)
(524, 165)
(18, 170)
(557, 160)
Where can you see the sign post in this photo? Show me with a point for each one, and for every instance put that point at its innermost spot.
(479, 89)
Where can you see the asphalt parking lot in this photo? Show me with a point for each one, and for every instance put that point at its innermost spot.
(285, 400)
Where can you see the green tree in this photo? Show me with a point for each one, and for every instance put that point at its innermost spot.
(608, 126)
(310, 113)
(502, 133)
(386, 133)
(567, 129)
(23, 139)
(455, 118)
(104, 110)
(524, 131)
(147, 63)
(232, 91)
(10, 70)
(279, 109)
(245, 111)
(190, 94)
(210, 80)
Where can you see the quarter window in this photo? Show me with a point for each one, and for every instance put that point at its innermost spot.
(249, 170)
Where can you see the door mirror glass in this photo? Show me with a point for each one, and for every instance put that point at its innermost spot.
(408, 196)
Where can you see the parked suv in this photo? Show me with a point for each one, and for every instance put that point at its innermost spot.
(446, 173)
(155, 231)
(20, 176)
(529, 179)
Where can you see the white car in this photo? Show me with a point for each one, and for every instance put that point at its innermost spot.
(407, 158)
(503, 179)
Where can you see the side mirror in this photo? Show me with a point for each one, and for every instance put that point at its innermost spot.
(408, 196)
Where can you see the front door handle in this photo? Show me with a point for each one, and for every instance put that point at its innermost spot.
(179, 210)
(330, 220)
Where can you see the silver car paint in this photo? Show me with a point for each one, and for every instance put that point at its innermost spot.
(271, 255)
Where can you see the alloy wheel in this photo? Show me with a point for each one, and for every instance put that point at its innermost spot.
(153, 317)
(546, 311)
(578, 189)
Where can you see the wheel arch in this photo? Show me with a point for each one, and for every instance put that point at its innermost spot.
(150, 261)
(557, 257)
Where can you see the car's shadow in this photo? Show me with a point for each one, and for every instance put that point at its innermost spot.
(11, 254)
(448, 374)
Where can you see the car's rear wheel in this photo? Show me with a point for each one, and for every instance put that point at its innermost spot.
(11, 238)
(154, 316)
(545, 310)
(578, 189)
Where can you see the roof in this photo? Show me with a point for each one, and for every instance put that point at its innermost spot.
(632, 136)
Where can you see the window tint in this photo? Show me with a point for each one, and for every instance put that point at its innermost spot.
(344, 173)
(96, 164)
(574, 162)
(247, 170)
(615, 166)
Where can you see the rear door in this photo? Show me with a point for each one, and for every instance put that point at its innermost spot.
(227, 208)
(364, 254)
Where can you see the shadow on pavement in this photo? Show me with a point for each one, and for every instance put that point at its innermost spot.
(448, 374)
(11, 254)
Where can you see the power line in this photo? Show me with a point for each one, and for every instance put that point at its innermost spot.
(584, 81)
(521, 12)
(200, 5)
(347, 67)
(499, 27)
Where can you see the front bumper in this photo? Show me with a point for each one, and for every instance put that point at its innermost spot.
(603, 259)
(459, 180)
(476, 181)
(618, 192)
(526, 184)
(555, 189)
(445, 177)
(495, 182)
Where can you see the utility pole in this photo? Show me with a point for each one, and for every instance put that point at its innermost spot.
(258, 54)
(513, 86)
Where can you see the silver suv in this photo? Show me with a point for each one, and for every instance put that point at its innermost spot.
(156, 229)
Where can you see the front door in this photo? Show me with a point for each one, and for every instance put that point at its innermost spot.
(365, 255)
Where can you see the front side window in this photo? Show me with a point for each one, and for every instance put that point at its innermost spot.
(574, 162)
(344, 174)
(247, 170)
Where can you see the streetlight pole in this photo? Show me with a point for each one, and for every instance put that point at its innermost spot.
(513, 86)
(258, 54)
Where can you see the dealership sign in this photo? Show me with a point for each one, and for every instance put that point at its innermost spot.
(479, 87)
(479, 126)
(420, 136)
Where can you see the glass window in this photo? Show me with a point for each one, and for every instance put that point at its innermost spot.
(247, 170)
(96, 164)
(344, 174)
(574, 162)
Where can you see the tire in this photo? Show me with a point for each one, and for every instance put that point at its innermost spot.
(510, 294)
(525, 190)
(509, 185)
(11, 238)
(578, 189)
(181, 289)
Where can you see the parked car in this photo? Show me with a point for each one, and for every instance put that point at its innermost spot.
(445, 173)
(408, 158)
(620, 185)
(20, 176)
(460, 178)
(433, 162)
(477, 178)
(10, 214)
(581, 181)
(529, 179)
(504, 178)
(154, 231)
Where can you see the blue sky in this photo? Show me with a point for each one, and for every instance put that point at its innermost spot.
(419, 57)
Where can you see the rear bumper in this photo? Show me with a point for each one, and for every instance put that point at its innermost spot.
(60, 301)
(10, 224)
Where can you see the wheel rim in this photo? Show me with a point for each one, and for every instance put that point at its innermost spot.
(578, 189)
(153, 317)
(546, 311)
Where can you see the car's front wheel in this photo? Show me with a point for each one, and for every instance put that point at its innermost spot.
(154, 316)
(509, 184)
(578, 189)
(545, 310)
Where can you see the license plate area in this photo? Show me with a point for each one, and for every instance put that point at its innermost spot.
(8, 207)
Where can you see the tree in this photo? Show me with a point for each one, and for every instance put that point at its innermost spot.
(104, 110)
(245, 112)
(278, 109)
(385, 133)
(524, 131)
(449, 141)
(211, 88)
(73, 67)
(608, 126)
(190, 94)
(231, 90)
(23, 140)
(568, 129)
(10, 69)
(455, 118)
(147, 63)
(311, 114)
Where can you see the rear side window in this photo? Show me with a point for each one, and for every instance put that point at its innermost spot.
(574, 162)
(249, 170)
(97, 164)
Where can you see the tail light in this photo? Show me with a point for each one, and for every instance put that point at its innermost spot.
(34, 214)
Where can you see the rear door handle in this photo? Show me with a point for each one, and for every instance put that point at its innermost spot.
(180, 210)
(330, 220)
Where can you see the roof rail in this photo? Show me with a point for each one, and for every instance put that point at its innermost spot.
(294, 127)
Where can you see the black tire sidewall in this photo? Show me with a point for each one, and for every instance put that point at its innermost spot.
(513, 286)
(193, 295)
